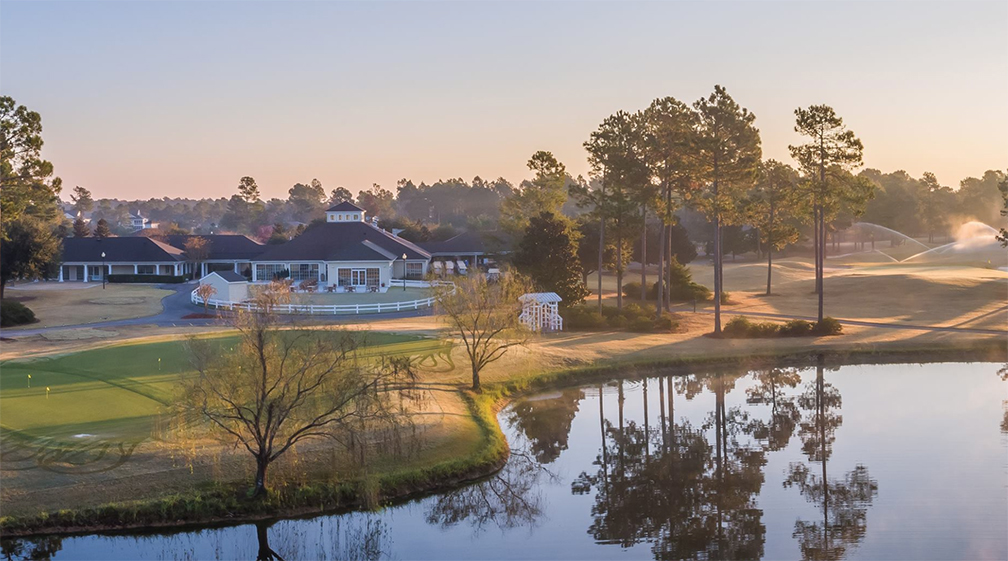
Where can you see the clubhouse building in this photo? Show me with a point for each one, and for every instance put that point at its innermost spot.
(346, 253)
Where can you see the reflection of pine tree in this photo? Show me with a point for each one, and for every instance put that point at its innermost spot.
(670, 486)
(546, 422)
(845, 511)
(844, 502)
(509, 499)
(784, 413)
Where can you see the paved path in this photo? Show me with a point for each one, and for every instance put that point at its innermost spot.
(862, 323)
(176, 305)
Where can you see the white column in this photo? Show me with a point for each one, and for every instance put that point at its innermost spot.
(202, 270)
(85, 274)
(61, 273)
(236, 267)
(176, 269)
(253, 272)
(136, 270)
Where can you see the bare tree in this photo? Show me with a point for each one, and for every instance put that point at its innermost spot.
(197, 250)
(206, 292)
(485, 316)
(279, 387)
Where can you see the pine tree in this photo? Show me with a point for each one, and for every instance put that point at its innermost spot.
(80, 228)
(547, 254)
(826, 161)
(102, 230)
(729, 153)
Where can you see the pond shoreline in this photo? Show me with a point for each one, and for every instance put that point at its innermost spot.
(223, 507)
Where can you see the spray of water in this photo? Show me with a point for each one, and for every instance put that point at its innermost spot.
(888, 233)
(971, 237)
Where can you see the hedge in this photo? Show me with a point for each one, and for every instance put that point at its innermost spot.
(171, 279)
(740, 327)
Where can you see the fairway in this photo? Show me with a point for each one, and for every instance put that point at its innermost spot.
(117, 393)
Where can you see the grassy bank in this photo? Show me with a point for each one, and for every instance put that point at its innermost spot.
(227, 502)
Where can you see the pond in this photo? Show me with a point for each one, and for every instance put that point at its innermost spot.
(855, 462)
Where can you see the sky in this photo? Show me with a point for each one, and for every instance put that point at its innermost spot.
(154, 99)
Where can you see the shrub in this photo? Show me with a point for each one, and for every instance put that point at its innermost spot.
(796, 328)
(827, 326)
(617, 321)
(641, 325)
(632, 290)
(665, 323)
(633, 311)
(14, 313)
(581, 317)
(171, 279)
(737, 327)
(740, 327)
(725, 297)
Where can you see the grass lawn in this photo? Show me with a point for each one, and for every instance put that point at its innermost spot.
(117, 392)
(76, 303)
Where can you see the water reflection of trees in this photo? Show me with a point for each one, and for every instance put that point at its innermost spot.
(1003, 373)
(844, 502)
(546, 422)
(509, 499)
(671, 486)
(32, 548)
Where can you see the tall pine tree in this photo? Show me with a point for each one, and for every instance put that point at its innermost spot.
(548, 255)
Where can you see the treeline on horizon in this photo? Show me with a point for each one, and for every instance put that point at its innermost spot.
(917, 207)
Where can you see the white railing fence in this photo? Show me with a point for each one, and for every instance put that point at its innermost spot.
(331, 309)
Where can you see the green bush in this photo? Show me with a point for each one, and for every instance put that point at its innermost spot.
(632, 317)
(827, 326)
(665, 324)
(14, 313)
(170, 279)
(581, 317)
(796, 328)
(633, 311)
(632, 290)
(641, 325)
(740, 327)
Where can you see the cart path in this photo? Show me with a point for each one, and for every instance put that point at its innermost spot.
(863, 323)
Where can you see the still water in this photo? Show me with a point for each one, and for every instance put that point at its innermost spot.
(856, 462)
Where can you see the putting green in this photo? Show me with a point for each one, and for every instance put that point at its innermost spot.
(117, 392)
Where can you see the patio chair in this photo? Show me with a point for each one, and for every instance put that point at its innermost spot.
(462, 270)
(449, 267)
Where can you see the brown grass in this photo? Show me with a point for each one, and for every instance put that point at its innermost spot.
(75, 303)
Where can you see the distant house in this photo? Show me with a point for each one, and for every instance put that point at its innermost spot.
(140, 222)
(345, 253)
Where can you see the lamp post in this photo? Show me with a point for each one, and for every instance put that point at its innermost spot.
(104, 272)
(404, 272)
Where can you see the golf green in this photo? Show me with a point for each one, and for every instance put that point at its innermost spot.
(117, 392)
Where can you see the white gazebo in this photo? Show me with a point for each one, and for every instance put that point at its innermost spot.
(539, 311)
